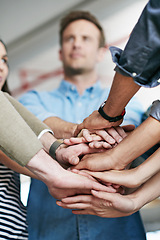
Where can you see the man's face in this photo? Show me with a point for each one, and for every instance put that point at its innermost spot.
(80, 47)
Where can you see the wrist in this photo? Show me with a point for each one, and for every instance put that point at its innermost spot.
(68, 130)
(118, 158)
(138, 200)
(54, 147)
(111, 118)
(42, 165)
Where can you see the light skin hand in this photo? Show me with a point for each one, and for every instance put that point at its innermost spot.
(118, 158)
(60, 182)
(101, 138)
(110, 205)
(61, 128)
(117, 187)
(131, 178)
(127, 178)
(70, 155)
(100, 162)
(102, 204)
(84, 136)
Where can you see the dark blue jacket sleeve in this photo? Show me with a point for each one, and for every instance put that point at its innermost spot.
(141, 56)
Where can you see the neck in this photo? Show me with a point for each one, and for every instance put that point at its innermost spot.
(82, 81)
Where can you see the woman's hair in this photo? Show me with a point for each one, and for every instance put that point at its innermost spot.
(5, 86)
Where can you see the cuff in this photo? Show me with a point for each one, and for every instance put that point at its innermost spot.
(116, 54)
(155, 110)
(44, 131)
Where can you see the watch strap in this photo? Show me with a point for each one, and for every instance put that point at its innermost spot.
(53, 148)
(108, 118)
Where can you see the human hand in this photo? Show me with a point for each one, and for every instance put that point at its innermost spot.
(94, 122)
(100, 203)
(100, 162)
(66, 183)
(118, 188)
(127, 178)
(105, 138)
(60, 182)
(70, 155)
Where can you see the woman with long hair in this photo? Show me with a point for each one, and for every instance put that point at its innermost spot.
(13, 223)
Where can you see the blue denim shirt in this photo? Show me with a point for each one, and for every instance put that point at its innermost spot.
(141, 56)
(46, 220)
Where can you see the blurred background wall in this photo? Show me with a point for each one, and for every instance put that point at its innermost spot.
(30, 29)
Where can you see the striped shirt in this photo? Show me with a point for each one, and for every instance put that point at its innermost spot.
(13, 223)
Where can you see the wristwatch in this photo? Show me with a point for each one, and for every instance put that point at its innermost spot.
(110, 119)
(53, 148)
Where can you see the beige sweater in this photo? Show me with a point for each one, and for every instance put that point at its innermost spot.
(18, 130)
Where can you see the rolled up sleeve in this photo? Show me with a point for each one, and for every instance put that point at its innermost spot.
(140, 58)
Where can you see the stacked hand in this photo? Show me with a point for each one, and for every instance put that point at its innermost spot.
(60, 182)
(101, 203)
(95, 121)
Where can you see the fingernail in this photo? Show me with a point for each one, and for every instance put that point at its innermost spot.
(74, 161)
(94, 191)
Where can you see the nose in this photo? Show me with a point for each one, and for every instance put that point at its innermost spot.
(77, 42)
(1, 65)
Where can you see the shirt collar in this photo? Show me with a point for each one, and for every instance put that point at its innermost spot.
(69, 88)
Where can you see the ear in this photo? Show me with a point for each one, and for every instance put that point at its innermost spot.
(101, 53)
(60, 54)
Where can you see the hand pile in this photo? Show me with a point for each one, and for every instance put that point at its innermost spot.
(90, 153)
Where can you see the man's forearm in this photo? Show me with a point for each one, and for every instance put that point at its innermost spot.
(61, 128)
(122, 90)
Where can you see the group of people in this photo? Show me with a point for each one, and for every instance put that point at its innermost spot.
(29, 142)
(99, 150)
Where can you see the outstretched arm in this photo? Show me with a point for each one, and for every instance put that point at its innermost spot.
(131, 178)
(60, 182)
(61, 128)
(137, 65)
(111, 205)
(122, 90)
(17, 140)
(134, 145)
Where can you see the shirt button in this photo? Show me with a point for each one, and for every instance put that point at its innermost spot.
(134, 74)
(72, 88)
(79, 104)
(158, 80)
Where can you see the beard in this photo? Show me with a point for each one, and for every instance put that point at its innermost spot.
(71, 71)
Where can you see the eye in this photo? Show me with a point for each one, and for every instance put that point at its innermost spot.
(69, 39)
(4, 60)
(86, 38)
